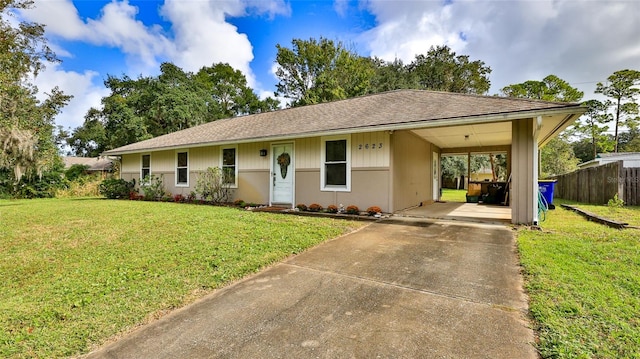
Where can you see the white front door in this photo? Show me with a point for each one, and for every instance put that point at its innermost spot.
(282, 173)
(436, 176)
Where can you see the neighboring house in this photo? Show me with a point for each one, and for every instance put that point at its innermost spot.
(95, 164)
(377, 150)
(483, 174)
(629, 159)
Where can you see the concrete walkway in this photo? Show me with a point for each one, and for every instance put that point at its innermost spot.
(395, 289)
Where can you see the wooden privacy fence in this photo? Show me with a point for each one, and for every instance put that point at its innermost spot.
(597, 185)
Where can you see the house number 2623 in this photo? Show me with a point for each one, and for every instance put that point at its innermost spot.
(372, 146)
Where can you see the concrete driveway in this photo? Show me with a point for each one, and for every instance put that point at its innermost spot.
(395, 289)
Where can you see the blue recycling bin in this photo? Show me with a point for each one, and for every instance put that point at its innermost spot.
(546, 188)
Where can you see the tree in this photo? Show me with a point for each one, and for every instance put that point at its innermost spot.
(89, 139)
(594, 127)
(147, 107)
(442, 70)
(622, 90)
(551, 88)
(229, 92)
(630, 140)
(27, 140)
(315, 71)
(557, 156)
(389, 76)
(453, 166)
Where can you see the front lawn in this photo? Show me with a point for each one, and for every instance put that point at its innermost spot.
(76, 272)
(584, 286)
(453, 195)
(626, 214)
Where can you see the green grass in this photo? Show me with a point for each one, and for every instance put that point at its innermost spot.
(583, 283)
(76, 272)
(627, 214)
(454, 195)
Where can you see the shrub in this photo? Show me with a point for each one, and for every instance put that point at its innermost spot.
(213, 185)
(373, 210)
(352, 210)
(116, 188)
(615, 202)
(239, 203)
(135, 196)
(152, 187)
(332, 208)
(76, 171)
(178, 198)
(314, 207)
(301, 207)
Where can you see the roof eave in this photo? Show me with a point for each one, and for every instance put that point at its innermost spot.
(571, 111)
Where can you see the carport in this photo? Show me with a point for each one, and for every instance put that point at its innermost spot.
(518, 134)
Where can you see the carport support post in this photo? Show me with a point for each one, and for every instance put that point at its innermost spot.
(524, 150)
(536, 164)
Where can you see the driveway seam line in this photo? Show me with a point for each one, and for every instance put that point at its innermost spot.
(500, 307)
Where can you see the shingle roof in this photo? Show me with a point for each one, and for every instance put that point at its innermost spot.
(94, 163)
(395, 108)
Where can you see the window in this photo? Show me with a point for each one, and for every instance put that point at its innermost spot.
(182, 169)
(336, 169)
(145, 167)
(230, 166)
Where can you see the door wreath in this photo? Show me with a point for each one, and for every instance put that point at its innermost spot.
(284, 160)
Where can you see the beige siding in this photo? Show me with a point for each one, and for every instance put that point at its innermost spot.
(202, 158)
(163, 161)
(249, 156)
(411, 167)
(369, 187)
(307, 153)
(370, 149)
(522, 181)
(132, 163)
(253, 186)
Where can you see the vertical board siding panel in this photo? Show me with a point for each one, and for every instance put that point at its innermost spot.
(202, 158)
(131, 163)
(357, 156)
(249, 156)
(307, 152)
(163, 161)
(366, 150)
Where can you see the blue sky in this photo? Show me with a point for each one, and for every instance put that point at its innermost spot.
(581, 41)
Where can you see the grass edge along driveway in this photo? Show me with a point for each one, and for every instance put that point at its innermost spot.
(77, 272)
(583, 286)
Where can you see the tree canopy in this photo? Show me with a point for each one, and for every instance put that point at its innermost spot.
(622, 91)
(442, 70)
(27, 140)
(315, 71)
(557, 157)
(551, 88)
(174, 100)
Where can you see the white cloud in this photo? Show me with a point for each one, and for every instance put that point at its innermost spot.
(200, 37)
(80, 85)
(116, 27)
(579, 41)
(203, 37)
(341, 7)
